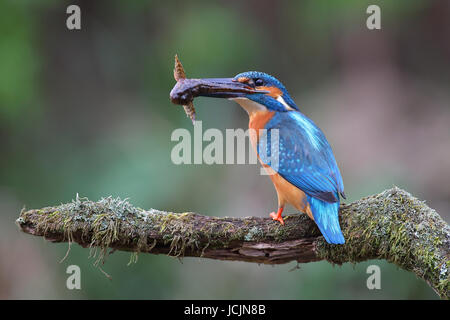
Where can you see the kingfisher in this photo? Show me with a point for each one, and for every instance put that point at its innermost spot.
(306, 174)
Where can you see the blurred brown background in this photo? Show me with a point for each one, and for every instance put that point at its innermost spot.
(88, 112)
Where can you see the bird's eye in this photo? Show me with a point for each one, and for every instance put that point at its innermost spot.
(259, 82)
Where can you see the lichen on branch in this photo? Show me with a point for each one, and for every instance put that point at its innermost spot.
(392, 225)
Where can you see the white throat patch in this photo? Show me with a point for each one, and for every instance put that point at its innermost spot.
(249, 105)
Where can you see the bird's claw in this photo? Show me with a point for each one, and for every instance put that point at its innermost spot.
(277, 217)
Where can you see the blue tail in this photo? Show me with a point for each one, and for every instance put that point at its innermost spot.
(326, 217)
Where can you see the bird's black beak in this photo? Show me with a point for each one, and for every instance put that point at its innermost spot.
(187, 89)
(226, 88)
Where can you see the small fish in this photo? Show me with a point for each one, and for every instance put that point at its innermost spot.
(180, 75)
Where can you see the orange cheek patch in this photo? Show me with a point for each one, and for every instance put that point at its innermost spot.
(243, 79)
(274, 92)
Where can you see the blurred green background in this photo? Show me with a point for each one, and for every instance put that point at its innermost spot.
(88, 112)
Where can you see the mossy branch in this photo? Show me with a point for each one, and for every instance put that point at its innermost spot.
(392, 225)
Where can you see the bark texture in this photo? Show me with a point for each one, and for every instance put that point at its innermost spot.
(392, 225)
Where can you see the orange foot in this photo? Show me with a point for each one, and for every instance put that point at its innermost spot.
(277, 216)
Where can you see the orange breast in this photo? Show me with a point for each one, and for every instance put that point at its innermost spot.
(258, 121)
(287, 192)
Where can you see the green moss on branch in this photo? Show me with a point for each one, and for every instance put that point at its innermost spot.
(392, 225)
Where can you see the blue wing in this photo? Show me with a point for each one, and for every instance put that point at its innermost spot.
(305, 157)
(302, 156)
